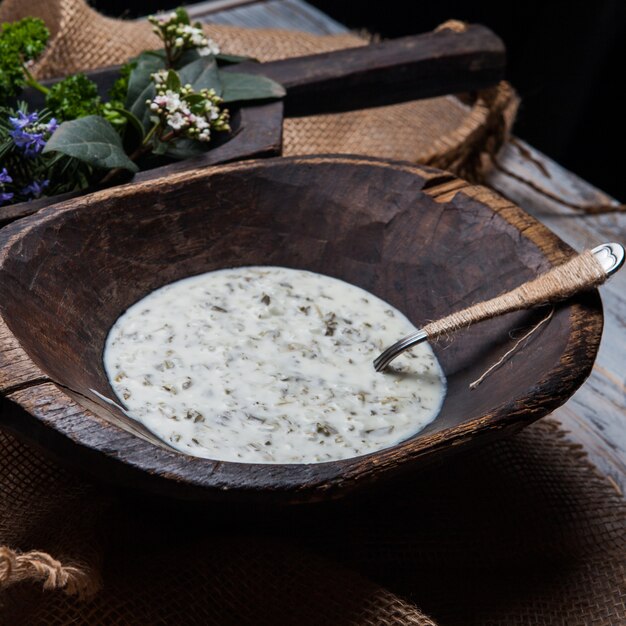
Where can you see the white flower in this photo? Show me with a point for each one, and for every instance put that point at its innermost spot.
(169, 101)
(174, 110)
(172, 101)
(159, 77)
(210, 48)
(160, 101)
(165, 18)
(192, 31)
(176, 121)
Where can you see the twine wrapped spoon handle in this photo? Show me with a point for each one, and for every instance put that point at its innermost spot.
(585, 271)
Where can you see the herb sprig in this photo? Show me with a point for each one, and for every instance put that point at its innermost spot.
(168, 103)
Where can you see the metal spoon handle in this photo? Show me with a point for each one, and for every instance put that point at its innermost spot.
(584, 271)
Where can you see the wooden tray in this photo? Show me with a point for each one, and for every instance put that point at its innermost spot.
(413, 67)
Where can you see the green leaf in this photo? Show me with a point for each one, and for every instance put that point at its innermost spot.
(172, 81)
(195, 98)
(139, 109)
(186, 57)
(160, 148)
(186, 148)
(92, 140)
(131, 119)
(182, 15)
(238, 87)
(130, 129)
(147, 64)
(119, 89)
(202, 74)
(230, 59)
(159, 53)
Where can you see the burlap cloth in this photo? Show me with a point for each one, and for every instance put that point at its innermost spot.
(524, 531)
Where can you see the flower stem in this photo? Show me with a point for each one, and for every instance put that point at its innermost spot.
(150, 133)
(169, 61)
(143, 149)
(31, 81)
(169, 136)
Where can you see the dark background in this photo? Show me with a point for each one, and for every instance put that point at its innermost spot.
(566, 59)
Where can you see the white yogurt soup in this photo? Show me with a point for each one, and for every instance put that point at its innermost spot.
(270, 365)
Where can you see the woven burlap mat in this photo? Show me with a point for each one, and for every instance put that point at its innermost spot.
(524, 531)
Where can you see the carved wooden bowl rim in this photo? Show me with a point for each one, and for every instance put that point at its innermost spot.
(38, 409)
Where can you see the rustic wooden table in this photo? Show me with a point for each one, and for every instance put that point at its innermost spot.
(596, 416)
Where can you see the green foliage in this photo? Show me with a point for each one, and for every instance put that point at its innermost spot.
(27, 38)
(92, 140)
(20, 42)
(114, 111)
(73, 97)
(180, 36)
(231, 59)
(11, 77)
(172, 81)
(38, 174)
(239, 87)
(182, 17)
(119, 90)
(166, 103)
(141, 86)
(202, 73)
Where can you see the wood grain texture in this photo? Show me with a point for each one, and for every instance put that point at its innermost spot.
(409, 68)
(289, 14)
(17, 371)
(596, 415)
(414, 236)
(412, 67)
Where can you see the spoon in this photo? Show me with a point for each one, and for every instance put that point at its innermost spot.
(585, 271)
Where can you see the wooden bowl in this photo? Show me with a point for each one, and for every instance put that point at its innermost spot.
(419, 238)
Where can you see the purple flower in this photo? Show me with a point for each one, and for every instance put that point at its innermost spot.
(35, 189)
(29, 133)
(4, 176)
(23, 120)
(31, 143)
(5, 196)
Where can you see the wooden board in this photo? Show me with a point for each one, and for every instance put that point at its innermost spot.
(409, 68)
(419, 238)
(289, 14)
(596, 415)
(412, 67)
